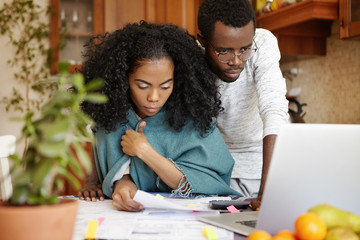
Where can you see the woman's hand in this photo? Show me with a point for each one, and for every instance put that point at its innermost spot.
(135, 143)
(91, 192)
(124, 192)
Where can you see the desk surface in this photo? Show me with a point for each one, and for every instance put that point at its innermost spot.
(148, 224)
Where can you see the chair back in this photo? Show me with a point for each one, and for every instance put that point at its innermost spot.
(7, 148)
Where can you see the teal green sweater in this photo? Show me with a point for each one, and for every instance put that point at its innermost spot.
(205, 161)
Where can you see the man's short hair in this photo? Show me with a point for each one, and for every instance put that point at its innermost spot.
(235, 13)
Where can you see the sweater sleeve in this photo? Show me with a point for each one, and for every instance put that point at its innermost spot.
(270, 84)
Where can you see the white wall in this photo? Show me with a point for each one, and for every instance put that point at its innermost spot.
(8, 82)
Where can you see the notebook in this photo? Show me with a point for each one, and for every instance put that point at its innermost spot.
(311, 164)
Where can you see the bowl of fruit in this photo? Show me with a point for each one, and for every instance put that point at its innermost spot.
(321, 222)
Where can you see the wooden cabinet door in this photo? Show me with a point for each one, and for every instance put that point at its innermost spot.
(182, 13)
(349, 13)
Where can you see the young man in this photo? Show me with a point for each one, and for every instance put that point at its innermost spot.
(252, 88)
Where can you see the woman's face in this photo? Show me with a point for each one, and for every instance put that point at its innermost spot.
(151, 84)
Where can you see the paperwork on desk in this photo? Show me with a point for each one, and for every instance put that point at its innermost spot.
(150, 201)
(167, 222)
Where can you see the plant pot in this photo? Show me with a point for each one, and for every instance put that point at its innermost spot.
(55, 222)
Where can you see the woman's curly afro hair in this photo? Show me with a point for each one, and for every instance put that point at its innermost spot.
(113, 56)
(235, 13)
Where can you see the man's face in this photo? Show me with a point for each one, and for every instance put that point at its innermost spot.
(227, 38)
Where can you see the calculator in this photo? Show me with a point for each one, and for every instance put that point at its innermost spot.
(223, 204)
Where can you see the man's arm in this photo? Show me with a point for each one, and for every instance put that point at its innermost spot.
(273, 105)
(268, 147)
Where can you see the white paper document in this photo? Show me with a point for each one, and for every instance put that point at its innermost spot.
(167, 223)
(150, 201)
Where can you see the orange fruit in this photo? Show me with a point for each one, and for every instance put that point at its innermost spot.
(310, 226)
(259, 235)
(284, 235)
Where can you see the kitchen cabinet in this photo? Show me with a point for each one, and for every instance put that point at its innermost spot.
(349, 13)
(76, 20)
(182, 13)
(73, 22)
(302, 28)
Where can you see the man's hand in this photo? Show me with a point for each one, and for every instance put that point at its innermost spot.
(255, 203)
(123, 195)
(91, 192)
(133, 143)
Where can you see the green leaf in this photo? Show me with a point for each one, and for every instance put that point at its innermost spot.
(21, 180)
(96, 98)
(59, 183)
(51, 149)
(55, 131)
(75, 167)
(42, 173)
(31, 155)
(95, 84)
(83, 119)
(63, 66)
(78, 81)
(81, 131)
(15, 158)
(33, 200)
(52, 200)
(73, 181)
(83, 156)
(60, 100)
(19, 196)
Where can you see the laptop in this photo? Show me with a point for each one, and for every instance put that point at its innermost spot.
(311, 164)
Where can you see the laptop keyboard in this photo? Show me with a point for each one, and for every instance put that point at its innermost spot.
(250, 223)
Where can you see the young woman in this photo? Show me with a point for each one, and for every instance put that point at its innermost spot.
(156, 131)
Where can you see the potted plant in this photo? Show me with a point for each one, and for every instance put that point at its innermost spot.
(56, 139)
